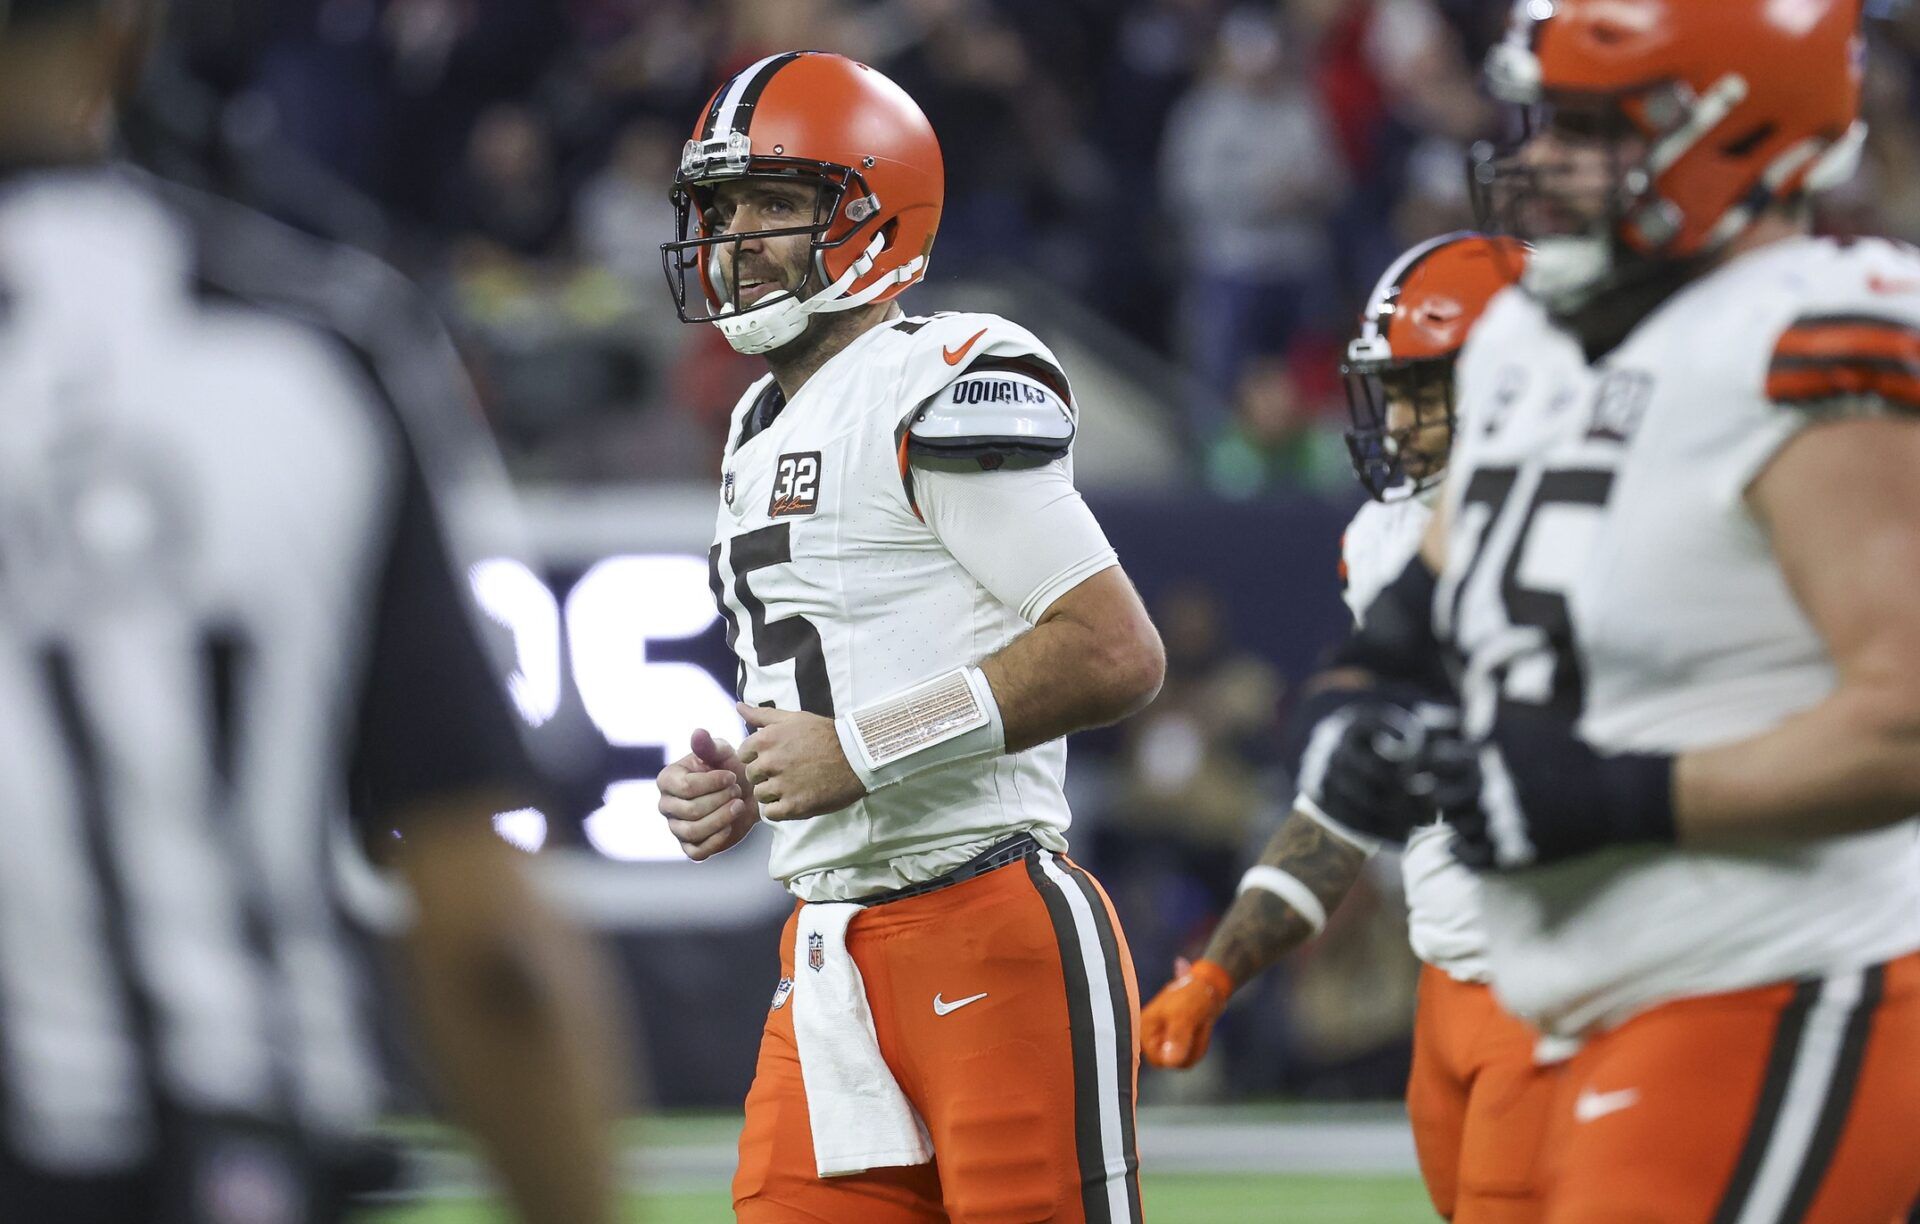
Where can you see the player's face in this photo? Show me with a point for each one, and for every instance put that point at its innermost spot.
(754, 268)
(1576, 170)
(1417, 426)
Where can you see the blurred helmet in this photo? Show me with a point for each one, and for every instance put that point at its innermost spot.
(820, 117)
(1738, 103)
(1411, 331)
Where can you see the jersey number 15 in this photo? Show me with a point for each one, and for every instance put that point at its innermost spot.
(789, 639)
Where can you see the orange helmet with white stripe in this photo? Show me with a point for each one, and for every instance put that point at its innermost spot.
(1729, 106)
(1399, 369)
(824, 118)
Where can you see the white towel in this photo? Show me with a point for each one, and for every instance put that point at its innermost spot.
(861, 1120)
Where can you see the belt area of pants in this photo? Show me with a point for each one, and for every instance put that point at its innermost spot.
(1012, 850)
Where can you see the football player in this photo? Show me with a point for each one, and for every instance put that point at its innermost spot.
(1675, 565)
(1477, 1098)
(922, 607)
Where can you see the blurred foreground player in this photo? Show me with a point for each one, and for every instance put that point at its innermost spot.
(1477, 1098)
(1678, 562)
(922, 606)
(237, 475)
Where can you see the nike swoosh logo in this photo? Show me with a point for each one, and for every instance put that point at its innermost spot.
(954, 356)
(941, 1007)
(1591, 1106)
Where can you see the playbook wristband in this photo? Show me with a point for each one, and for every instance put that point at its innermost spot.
(950, 718)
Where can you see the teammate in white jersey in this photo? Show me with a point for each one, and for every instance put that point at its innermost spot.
(1477, 1097)
(922, 607)
(1678, 563)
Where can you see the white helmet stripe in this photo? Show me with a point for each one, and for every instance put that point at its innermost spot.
(743, 92)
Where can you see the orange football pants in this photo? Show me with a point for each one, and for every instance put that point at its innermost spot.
(1479, 1104)
(1797, 1102)
(1027, 1091)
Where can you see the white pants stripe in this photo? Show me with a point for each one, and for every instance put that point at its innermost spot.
(1811, 1082)
(1106, 1039)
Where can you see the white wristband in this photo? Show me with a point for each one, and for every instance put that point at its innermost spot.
(952, 717)
(1289, 888)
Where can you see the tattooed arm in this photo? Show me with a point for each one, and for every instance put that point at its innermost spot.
(1259, 929)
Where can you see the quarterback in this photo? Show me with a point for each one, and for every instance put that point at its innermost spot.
(922, 606)
(1675, 569)
(1478, 1099)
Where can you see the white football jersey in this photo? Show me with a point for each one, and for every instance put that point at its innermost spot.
(1602, 561)
(1443, 897)
(836, 593)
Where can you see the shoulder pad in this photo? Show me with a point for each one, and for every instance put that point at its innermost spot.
(985, 392)
(997, 417)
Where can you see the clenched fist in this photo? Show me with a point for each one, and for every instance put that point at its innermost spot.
(1177, 1025)
(706, 800)
(795, 765)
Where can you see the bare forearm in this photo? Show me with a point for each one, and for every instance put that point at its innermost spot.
(1088, 665)
(516, 1027)
(1848, 764)
(1260, 927)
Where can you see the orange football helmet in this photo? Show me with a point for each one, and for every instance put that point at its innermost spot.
(1737, 104)
(1411, 331)
(821, 116)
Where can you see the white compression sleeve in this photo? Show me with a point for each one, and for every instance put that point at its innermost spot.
(1024, 534)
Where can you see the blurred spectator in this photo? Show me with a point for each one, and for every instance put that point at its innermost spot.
(972, 76)
(1159, 48)
(508, 192)
(1417, 59)
(1278, 438)
(1250, 172)
(1436, 200)
(623, 213)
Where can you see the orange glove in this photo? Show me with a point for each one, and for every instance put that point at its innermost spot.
(1177, 1025)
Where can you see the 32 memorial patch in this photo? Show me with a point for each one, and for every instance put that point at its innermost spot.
(796, 485)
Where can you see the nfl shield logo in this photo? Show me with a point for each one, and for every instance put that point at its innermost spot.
(726, 489)
(816, 951)
(781, 993)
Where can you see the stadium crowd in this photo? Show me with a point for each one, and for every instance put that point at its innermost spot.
(515, 153)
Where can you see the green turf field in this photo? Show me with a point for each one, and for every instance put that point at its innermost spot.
(1170, 1199)
(689, 1156)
